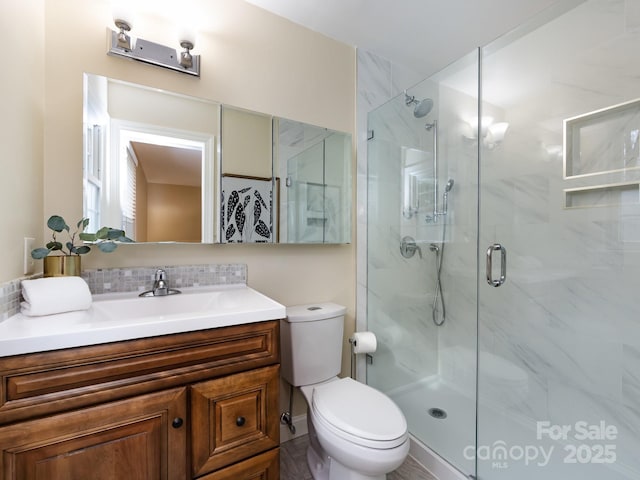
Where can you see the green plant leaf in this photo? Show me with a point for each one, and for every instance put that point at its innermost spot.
(54, 246)
(102, 233)
(82, 224)
(57, 223)
(39, 253)
(114, 234)
(105, 238)
(107, 247)
(125, 239)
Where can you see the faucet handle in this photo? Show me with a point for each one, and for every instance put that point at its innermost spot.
(408, 247)
(160, 275)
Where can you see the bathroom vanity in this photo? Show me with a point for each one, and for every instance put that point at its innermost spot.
(194, 404)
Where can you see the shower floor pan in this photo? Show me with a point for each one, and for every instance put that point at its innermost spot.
(453, 437)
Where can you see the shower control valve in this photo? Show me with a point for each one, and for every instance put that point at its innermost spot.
(408, 247)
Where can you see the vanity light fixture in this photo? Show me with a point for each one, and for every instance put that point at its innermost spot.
(121, 44)
(124, 40)
(186, 59)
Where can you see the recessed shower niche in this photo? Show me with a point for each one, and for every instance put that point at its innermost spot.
(602, 141)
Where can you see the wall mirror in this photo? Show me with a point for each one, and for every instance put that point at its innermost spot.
(246, 178)
(151, 167)
(147, 169)
(313, 183)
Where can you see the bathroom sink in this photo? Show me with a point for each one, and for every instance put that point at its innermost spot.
(191, 303)
(125, 316)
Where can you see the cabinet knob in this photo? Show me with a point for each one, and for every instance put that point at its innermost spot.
(240, 421)
(177, 422)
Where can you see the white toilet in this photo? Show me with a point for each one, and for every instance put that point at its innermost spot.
(355, 431)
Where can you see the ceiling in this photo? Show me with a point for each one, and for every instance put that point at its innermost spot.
(424, 35)
(169, 165)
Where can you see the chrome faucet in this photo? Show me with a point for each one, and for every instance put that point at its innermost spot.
(409, 247)
(160, 287)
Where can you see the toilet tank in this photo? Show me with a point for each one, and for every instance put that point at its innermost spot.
(311, 343)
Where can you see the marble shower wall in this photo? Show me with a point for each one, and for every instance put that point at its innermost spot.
(399, 288)
(378, 81)
(401, 291)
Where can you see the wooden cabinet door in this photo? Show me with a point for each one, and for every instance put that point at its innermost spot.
(142, 438)
(265, 466)
(234, 418)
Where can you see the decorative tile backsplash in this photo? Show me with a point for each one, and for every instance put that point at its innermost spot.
(138, 279)
(10, 298)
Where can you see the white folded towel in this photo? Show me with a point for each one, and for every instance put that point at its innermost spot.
(46, 296)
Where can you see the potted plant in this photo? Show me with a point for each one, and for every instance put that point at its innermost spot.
(66, 260)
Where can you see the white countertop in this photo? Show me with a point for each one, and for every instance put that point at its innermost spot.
(124, 316)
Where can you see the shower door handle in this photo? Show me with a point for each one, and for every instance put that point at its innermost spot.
(503, 265)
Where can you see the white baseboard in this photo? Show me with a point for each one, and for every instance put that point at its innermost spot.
(300, 422)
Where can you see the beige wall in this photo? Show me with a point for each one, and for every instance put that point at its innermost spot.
(246, 143)
(158, 108)
(21, 123)
(250, 59)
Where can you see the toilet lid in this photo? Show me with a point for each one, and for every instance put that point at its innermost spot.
(359, 411)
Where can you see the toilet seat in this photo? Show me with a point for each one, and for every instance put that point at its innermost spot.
(359, 414)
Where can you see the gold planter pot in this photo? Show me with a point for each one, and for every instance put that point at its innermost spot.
(62, 266)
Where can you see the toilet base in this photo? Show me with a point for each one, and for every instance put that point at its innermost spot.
(337, 471)
(324, 467)
(330, 469)
(318, 467)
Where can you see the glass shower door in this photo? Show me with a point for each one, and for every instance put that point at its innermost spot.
(559, 341)
(422, 210)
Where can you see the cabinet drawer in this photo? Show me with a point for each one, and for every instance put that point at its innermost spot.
(49, 382)
(265, 466)
(234, 418)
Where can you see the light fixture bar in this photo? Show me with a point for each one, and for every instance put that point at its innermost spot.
(154, 54)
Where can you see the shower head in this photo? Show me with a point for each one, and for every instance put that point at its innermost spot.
(449, 186)
(445, 195)
(421, 108)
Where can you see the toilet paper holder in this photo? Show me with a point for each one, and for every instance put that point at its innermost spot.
(353, 341)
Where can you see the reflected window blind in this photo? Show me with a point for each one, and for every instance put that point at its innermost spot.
(129, 194)
(92, 175)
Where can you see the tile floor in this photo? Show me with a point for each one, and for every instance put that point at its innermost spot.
(293, 464)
